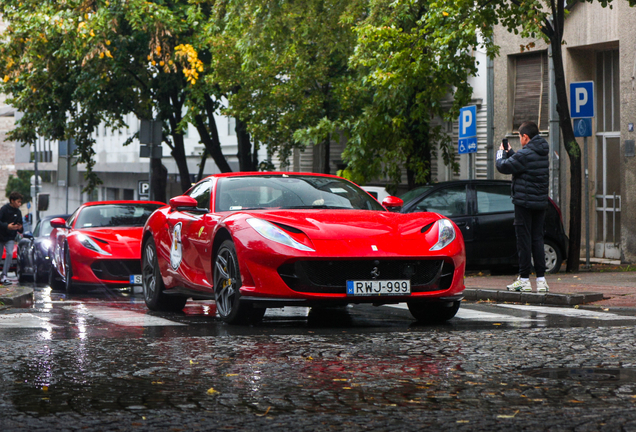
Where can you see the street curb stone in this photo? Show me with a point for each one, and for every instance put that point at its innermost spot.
(566, 299)
(18, 297)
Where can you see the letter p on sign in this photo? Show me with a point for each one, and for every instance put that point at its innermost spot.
(582, 99)
(468, 122)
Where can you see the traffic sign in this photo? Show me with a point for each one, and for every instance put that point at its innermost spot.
(582, 99)
(468, 129)
(143, 188)
(582, 127)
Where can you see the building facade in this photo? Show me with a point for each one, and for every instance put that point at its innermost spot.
(598, 47)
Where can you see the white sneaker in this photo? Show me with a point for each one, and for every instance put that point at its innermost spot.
(520, 285)
(5, 281)
(542, 286)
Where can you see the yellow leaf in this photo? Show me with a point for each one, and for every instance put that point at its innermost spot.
(45, 388)
(107, 42)
(445, 13)
(231, 375)
(211, 391)
(6, 78)
(462, 421)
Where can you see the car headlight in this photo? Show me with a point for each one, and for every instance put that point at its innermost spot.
(46, 245)
(446, 234)
(275, 234)
(89, 243)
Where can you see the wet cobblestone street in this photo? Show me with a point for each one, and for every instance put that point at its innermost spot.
(437, 380)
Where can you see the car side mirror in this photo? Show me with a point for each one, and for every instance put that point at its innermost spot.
(184, 203)
(59, 223)
(27, 235)
(392, 203)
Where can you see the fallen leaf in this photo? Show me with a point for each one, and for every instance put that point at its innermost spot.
(462, 421)
(508, 416)
(231, 375)
(575, 401)
(340, 379)
(265, 413)
(211, 391)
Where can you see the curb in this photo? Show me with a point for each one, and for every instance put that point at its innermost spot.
(565, 299)
(18, 298)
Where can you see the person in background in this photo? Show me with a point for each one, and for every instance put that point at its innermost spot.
(530, 169)
(10, 226)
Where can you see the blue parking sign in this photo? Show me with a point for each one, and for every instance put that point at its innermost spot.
(582, 99)
(468, 130)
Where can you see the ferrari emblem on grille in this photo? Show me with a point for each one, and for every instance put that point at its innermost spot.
(374, 248)
(375, 273)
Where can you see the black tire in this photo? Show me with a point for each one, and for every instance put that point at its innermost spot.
(433, 313)
(153, 285)
(55, 281)
(18, 271)
(553, 257)
(227, 284)
(70, 287)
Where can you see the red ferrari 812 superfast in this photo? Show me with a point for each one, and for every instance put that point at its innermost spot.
(252, 241)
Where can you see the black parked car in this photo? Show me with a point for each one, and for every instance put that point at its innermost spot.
(34, 254)
(483, 211)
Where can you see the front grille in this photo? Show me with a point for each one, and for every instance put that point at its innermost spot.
(116, 269)
(332, 276)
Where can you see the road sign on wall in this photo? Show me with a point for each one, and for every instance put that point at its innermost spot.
(582, 99)
(468, 129)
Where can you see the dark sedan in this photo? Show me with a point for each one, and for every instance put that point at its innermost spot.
(34, 253)
(483, 211)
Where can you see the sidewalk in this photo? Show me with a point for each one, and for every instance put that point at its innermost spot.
(15, 296)
(603, 286)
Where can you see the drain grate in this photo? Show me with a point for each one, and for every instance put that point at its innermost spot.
(585, 374)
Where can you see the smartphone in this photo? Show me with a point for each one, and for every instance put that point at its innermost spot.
(505, 143)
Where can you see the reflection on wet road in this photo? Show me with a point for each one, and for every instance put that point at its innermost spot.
(120, 314)
(102, 361)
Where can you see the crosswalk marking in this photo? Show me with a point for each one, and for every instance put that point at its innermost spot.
(474, 315)
(569, 312)
(25, 320)
(128, 318)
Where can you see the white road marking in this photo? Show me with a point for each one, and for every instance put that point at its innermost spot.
(128, 318)
(475, 315)
(25, 320)
(569, 312)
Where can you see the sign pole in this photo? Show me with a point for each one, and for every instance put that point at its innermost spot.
(587, 206)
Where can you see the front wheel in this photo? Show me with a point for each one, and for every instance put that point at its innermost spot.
(68, 269)
(433, 313)
(55, 281)
(19, 271)
(153, 286)
(227, 284)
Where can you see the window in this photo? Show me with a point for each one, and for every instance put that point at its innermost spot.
(494, 199)
(450, 201)
(129, 194)
(608, 112)
(201, 193)
(530, 90)
(112, 194)
(231, 126)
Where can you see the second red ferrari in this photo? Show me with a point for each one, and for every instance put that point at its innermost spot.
(99, 244)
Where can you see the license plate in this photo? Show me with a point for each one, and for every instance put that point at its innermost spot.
(135, 279)
(376, 287)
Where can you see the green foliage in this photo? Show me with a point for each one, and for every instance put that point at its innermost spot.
(21, 183)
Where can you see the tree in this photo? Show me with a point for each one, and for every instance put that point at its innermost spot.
(70, 66)
(20, 183)
(283, 66)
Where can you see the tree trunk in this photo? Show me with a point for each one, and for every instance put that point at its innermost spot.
(211, 142)
(573, 149)
(246, 161)
(178, 153)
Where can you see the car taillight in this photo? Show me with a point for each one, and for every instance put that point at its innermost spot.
(557, 209)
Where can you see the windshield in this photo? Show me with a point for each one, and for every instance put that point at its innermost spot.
(115, 215)
(291, 192)
(414, 193)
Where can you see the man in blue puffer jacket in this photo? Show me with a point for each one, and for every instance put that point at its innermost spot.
(530, 169)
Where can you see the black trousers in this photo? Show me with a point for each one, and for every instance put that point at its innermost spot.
(529, 229)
